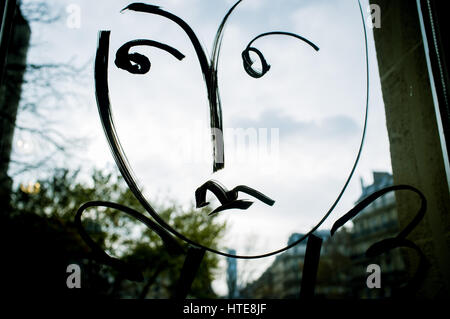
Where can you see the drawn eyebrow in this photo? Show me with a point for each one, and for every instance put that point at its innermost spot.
(141, 64)
(284, 33)
(156, 10)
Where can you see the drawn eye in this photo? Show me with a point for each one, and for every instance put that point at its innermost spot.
(248, 62)
(137, 63)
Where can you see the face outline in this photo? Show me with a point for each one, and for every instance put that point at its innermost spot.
(140, 65)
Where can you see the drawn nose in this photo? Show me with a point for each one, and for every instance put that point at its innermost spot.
(228, 199)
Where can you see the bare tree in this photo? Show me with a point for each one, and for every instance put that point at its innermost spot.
(31, 97)
(15, 36)
(39, 138)
(40, 11)
(47, 90)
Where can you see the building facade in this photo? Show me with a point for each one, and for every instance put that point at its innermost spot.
(342, 271)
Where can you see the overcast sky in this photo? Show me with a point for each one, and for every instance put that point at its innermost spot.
(311, 104)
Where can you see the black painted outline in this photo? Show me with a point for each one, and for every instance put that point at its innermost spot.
(210, 76)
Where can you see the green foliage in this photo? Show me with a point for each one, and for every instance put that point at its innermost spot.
(60, 196)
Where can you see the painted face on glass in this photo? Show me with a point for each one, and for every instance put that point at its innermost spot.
(284, 146)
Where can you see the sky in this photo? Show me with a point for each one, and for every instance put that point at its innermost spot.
(292, 134)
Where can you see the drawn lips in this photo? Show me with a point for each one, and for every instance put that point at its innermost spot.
(228, 199)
